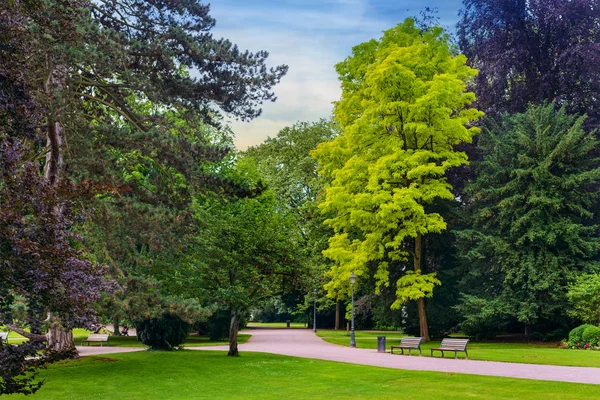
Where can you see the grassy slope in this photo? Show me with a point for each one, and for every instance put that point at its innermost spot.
(531, 353)
(212, 375)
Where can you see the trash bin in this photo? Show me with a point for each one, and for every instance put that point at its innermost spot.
(287, 323)
(381, 344)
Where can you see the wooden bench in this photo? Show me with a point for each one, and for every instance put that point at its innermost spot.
(3, 338)
(96, 338)
(454, 345)
(409, 343)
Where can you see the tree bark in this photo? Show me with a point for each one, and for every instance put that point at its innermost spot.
(36, 337)
(116, 322)
(234, 328)
(423, 328)
(337, 315)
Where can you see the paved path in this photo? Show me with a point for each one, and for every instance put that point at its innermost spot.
(304, 343)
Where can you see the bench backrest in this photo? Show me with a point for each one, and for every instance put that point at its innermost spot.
(454, 344)
(411, 341)
(98, 337)
(3, 335)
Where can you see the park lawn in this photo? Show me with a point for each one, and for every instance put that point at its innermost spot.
(529, 353)
(131, 341)
(212, 375)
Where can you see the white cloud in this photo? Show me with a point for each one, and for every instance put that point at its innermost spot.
(310, 36)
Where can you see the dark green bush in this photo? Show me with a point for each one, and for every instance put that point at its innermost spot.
(218, 325)
(481, 318)
(591, 336)
(162, 333)
(576, 336)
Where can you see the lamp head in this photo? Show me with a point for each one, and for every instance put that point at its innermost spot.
(352, 278)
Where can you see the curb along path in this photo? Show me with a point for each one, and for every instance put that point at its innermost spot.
(304, 343)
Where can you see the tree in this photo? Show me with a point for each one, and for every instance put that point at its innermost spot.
(532, 51)
(288, 169)
(42, 268)
(532, 222)
(247, 253)
(584, 298)
(89, 65)
(404, 107)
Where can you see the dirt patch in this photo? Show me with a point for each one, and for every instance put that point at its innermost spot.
(532, 356)
(106, 359)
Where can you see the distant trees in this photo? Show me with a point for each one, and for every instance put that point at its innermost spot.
(404, 107)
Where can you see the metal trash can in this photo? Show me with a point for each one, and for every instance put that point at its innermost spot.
(287, 323)
(381, 344)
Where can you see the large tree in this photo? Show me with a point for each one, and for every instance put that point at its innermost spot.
(248, 253)
(107, 75)
(288, 169)
(404, 107)
(532, 204)
(531, 51)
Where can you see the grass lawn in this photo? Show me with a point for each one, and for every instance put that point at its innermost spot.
(212, 375)
(276, 324)
(131, 341)
(531, 353)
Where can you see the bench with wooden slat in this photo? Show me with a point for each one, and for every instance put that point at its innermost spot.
(3, 338)
(454, 345)
(409, 343)
(96, 338)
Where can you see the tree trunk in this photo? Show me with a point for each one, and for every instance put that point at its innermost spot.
(337, 315)
(60, 340)
(424, 329)
(234, 327)
(116, 323)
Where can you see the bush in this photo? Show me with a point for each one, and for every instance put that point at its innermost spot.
(218, 325)
(591, 336)
(576, 336)
(482, 318)
(162, 333)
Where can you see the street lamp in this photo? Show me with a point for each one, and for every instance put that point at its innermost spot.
(352, 341)
(315, 312)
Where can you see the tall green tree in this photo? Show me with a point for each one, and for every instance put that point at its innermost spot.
(106, 77)
(248, 252)
(404, 107)
(532, 230)
(288, 169)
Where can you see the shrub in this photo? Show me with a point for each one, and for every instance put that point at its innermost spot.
(591, 336)
(162, 333)
(482, 318)
(218, 325)
(576, 336)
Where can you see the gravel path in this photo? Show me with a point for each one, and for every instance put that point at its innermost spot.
(304, 343)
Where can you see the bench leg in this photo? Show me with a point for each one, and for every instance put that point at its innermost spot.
(420, 352)
(455, 354)
(466, 355)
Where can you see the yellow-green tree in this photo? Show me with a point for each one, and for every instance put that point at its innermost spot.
(404, 108)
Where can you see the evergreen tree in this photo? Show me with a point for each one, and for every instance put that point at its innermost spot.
(532, 221)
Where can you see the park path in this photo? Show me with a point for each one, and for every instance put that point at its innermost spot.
(304, 343)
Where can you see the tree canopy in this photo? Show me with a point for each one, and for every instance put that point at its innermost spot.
(404, 107)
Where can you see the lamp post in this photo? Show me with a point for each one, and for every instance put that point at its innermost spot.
(352, 341)
(315, 312)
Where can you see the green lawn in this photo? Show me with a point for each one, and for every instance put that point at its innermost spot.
(532, 353)
(131, 341)
(212, 375)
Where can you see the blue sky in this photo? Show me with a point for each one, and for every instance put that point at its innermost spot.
(310, 37)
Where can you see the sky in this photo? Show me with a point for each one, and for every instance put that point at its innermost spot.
(310, 36)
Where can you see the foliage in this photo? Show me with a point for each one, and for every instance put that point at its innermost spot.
(576, 336)
(532, 51)
(162, 333)
(591, 336)
(404, 107)
(481, 318)
(532, 229)
(414, 286)
(584, 298)
(18, 368)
